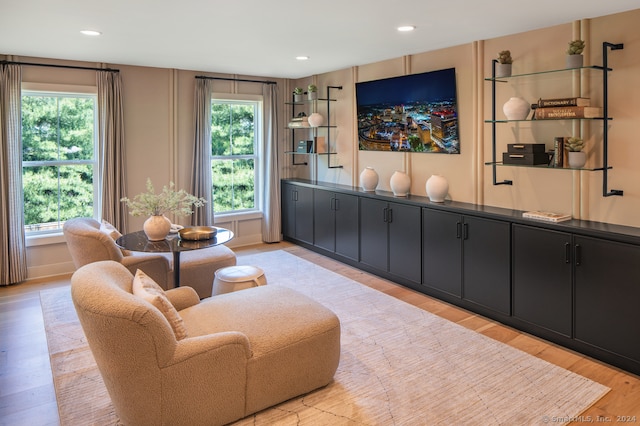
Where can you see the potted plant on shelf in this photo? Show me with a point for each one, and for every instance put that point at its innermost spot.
(577, 158)
(503, 67)
(574, 54)
(157, 226)
(312, 92)
(297, 94)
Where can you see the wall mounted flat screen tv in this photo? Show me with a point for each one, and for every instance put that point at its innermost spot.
(410, 113)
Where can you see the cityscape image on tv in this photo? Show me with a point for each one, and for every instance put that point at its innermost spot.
(411, 113)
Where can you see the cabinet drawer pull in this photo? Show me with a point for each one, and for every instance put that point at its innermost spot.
(518, 146)
(458, 230)
(390, 216)
(567, 253)
(336, 204)
(465, 231)
(578, 254)
(385, 215)
(516, 155)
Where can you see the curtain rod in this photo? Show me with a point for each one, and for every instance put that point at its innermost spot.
(236, 79)
(75, 67)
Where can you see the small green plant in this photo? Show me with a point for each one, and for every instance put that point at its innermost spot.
(504, 57)
(168, 201)
(574, 144)
(298, 91)
(312, 88)
(576, 47)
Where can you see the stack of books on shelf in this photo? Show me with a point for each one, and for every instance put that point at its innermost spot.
(560, 108)
(546, 216)
(300, 121)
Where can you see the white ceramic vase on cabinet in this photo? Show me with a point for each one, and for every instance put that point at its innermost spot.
(369, 179)
(400, 184)
(437, 188)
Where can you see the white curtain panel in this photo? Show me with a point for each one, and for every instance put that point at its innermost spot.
(271, 224)
(201, 179)
(13, 264)
(111, 143)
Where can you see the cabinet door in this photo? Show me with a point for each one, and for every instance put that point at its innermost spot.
(346, 225)
(373, 233)
(288, 211)
(607, 294)
(405, 251)
(542, 278)
(486, 274)
(442, 251)
(324, 219)
(304, 214)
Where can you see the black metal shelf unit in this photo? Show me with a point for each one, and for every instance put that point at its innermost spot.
(605, 118)
(314, 130)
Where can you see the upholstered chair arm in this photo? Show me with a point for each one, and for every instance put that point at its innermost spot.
(156, 266)
(182, 297)
(206, 379)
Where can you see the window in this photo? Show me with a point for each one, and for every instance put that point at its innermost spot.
(236, 131)
(59, 158)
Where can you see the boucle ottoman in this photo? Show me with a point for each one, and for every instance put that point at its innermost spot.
(239, 277)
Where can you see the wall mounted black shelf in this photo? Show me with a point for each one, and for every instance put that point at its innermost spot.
(606, 46)
(312, 103)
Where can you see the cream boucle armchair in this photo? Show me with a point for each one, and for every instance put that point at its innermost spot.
(243, 351)
(89, 242)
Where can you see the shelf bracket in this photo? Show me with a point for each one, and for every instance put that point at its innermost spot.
(605, 123)
(493, 124)
(329, 165)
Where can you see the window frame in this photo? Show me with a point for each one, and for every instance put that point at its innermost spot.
(257, 101)
(65, 90)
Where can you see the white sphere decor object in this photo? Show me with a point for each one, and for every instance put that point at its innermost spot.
(516, 109)
(315, 120)
(369, 179)
(400, 184)
(437, 188)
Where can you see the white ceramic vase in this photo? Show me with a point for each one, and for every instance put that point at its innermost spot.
(315, 120)
(577, 159)
(156, 227)
(400, 184)
(437, 188)
(516, 109)
(369, 179)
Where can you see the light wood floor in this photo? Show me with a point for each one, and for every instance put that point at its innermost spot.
(27, 395)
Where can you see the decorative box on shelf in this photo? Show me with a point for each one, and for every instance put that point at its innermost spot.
(305, 147)
(528, 154)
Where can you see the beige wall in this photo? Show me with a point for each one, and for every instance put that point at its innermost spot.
(566, 191)
(159, 135)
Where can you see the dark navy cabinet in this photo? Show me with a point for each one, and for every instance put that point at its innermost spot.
(542, 265)
(467, 257)
(336, 223)
(297, 212)
(575, 283)
(390, 238)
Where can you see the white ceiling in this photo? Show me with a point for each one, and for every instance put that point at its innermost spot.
(262, 38)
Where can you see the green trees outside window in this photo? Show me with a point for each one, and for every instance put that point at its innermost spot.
(233, 155)
(58, 158)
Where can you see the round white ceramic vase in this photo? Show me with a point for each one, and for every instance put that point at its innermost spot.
(437, 188)
(400, 184)
(315, 120)
(156, 227)
(516, 109)
(369, 179)
(577, 159)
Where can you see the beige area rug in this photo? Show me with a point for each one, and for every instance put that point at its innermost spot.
(399, 365)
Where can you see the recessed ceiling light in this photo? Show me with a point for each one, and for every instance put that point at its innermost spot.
(91, 32)
(302, 58)
(406, 28)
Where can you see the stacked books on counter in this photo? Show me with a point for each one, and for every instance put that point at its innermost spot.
(560, 108)
(546, 216)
